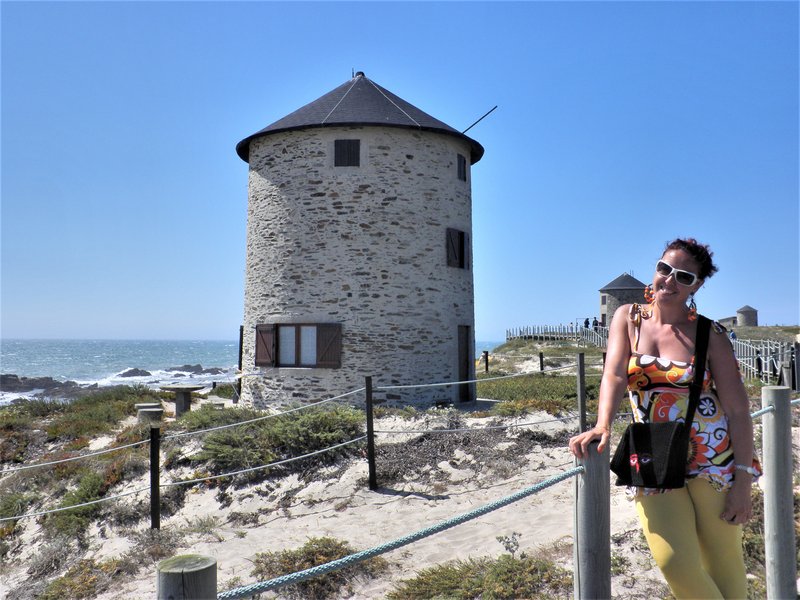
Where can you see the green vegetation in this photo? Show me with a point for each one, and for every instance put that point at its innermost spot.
(507, 577)
(268, 440)
(549, 392)
(86, 579)
(74, 522)
(12, 504)
(98, 413)
(316, 551)
(782, 333)
(224, 390)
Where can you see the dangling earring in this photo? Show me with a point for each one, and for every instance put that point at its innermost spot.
(649, 294)
(692, 309)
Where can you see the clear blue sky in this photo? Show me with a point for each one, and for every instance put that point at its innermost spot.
(619, 127)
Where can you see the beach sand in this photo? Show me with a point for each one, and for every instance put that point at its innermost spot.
(336, 502)
(344, 508)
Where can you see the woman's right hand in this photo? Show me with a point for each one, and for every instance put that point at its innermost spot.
(579, 444)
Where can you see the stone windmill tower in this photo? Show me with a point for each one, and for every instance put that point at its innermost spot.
(359, 254)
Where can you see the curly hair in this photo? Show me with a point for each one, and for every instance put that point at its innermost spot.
(701, 253)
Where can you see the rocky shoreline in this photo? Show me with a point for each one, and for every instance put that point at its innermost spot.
(10, 383)
(48, 387)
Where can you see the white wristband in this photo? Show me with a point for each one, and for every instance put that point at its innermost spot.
(750, 470)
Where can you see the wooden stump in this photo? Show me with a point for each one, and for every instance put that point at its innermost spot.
(187, 577)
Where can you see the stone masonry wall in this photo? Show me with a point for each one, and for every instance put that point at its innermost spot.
(618, 298)
(364, 247)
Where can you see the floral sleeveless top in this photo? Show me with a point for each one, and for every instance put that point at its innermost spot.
(658, 389)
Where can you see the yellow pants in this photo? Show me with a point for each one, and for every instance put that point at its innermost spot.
(699, 554)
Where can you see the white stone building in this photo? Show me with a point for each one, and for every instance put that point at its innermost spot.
(359, 253)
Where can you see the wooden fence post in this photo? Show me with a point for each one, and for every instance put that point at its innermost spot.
(779, 537)
(581, 392)
(541, 361)
(486, 360)
(187, 577)
(592, 535)
(373, 478)
(155, 468)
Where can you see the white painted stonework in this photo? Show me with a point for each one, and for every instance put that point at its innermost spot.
(361, 246)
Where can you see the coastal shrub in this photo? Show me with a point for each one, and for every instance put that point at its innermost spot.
(208, 416)
(224, 390)
(284, 436)
(22, 413)
(152, 545)
(13, 445)
(73, 523)
(316, 551)
(98, 413)
(506, 577)
(86, 579)
(12, 505)
(554, 394)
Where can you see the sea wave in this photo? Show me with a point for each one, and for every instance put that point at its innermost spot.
(154, 380)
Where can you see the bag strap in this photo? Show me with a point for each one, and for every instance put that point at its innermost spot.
(700, 351)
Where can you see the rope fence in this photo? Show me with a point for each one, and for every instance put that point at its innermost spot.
(367, 389)
(257, 588)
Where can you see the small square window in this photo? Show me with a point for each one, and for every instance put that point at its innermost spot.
(347, 153)
(462, 167)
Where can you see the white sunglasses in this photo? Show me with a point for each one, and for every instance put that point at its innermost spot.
(665, 269)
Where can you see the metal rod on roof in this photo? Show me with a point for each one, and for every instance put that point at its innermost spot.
(478, 121)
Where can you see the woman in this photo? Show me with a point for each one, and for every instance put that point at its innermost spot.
(694, 533)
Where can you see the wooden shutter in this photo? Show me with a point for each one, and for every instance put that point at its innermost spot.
(329, 345)
(455, 248)
(265, 345)
(347, 153)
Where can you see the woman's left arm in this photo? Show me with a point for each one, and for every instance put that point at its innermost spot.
(734, 401)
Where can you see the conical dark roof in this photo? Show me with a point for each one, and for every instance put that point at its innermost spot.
(623, 282)
(359, 101)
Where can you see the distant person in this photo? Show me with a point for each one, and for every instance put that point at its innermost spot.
(586, 323)
(594, 323)
(733, 335)
(694, 532)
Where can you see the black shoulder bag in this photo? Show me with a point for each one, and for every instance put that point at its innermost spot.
(654, 455)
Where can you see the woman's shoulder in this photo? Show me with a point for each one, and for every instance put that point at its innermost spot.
(718, 328)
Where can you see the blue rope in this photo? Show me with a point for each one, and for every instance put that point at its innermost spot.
(761, 412)
(764, 411)
(292, 578)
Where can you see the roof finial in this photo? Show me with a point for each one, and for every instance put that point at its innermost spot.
(359, 73)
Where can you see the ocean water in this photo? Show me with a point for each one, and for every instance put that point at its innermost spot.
(102, 362)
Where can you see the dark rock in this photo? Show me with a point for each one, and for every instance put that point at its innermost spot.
(135, 373)
(51, 388)
(194, 369)
(14, 383)
(213, 371)
(179, 375)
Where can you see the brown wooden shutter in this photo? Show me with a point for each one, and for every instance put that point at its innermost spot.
(265, 345)
(465, 253)
(347, 153)
(455, 248)
(329, 345)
